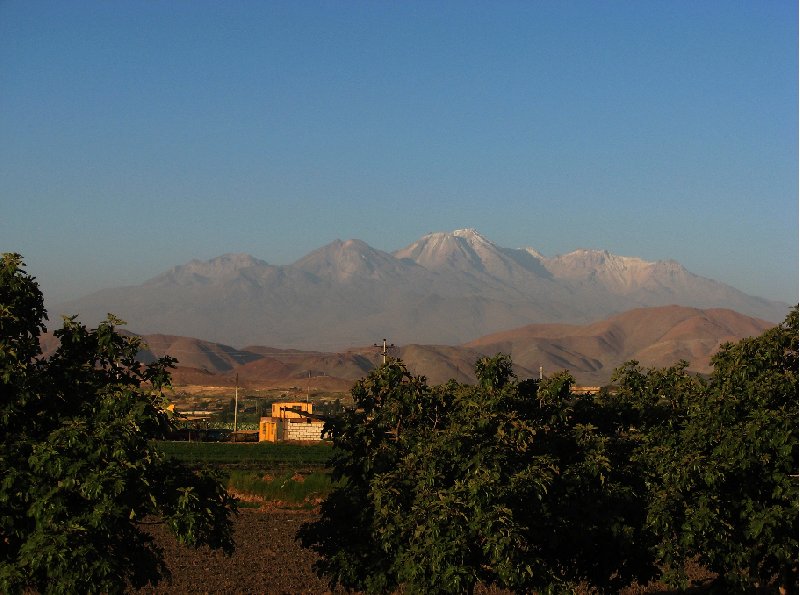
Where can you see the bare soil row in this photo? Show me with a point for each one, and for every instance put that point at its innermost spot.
(267, 560)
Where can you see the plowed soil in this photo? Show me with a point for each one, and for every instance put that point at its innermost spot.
(267, 560)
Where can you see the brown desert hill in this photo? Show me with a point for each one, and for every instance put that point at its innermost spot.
(295, 369)
(440, 363)
(196, 353)
(655, 337)
(269, 367)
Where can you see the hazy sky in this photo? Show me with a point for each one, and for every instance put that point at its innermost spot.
(135, 136)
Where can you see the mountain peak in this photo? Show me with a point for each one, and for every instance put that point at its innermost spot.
(465, 251)
(338, 250)
(236, 260)
(459, 250)
(533, 252)
(206, 270)
(446, 287)
(470, 234)
(600, 258)
(346, 260)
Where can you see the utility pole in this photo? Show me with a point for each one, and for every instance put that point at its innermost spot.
(235, 406)
(384, 352)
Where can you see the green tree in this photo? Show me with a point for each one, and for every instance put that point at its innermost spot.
(508, 483)
(721, 458)
(80, 473)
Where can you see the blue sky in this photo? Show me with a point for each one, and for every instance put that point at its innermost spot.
(135, 136)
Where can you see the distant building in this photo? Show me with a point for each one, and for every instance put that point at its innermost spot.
(291, 421)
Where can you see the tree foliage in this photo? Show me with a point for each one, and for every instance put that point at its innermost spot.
(722, 457)
(505, 482)
(80, 473)
(530, 487)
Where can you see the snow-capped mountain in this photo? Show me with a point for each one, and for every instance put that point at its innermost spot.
(445, 288)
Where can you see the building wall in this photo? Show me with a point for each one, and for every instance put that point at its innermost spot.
(278, 409)
(268, 430)
(303, 429)
(288, 425)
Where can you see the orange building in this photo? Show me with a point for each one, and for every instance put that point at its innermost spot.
(290, 421)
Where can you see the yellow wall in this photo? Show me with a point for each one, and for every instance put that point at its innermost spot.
(267, 430)
(277, 413)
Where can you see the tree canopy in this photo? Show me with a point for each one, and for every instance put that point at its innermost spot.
(721, 459)
(81, 475)
(505, 482)
(528, 486)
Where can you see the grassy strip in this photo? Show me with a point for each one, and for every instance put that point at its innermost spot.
(287, 487)
(288, 473)
(262, 455)
(218, 425)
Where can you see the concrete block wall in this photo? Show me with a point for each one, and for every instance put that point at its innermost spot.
(303, 430)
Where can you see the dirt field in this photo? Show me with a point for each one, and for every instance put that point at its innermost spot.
(267, 560)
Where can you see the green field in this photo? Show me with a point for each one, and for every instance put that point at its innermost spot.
(259, 456)
(292, 474)
(292, 488)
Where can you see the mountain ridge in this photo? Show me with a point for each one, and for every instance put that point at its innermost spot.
(445, 288)
(656, 337)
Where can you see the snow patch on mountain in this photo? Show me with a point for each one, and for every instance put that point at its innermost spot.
(447, 287)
